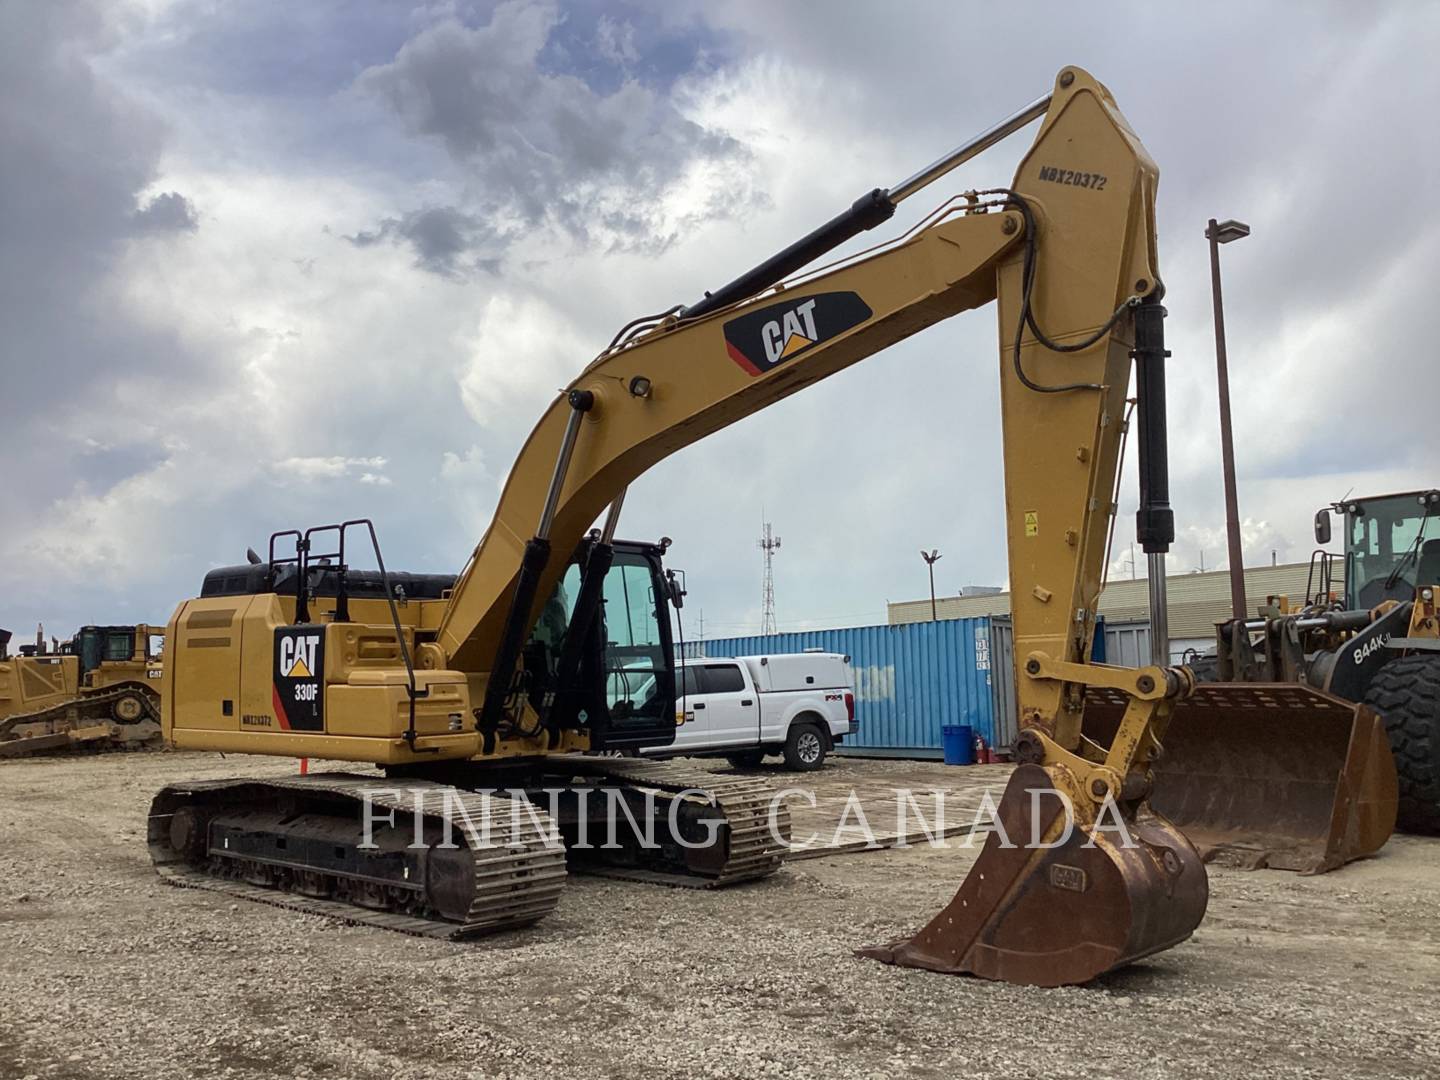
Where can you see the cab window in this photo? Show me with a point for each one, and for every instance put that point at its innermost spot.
(119, 646)
(636, 660)
(554, 621)
(723, 679)
(691, 681)
(1385, 538)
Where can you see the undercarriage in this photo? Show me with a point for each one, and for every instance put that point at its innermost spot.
(125, 717)
(444, 860)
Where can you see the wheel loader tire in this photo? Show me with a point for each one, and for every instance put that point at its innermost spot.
(804, 748)
(746, 759)
(128, 709)
(1406, 693)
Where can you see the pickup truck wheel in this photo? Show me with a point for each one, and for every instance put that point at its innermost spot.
(804, 748)
(746, 759)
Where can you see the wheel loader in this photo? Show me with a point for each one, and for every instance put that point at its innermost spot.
(98, 691)
(478, 701)
(1375, 641)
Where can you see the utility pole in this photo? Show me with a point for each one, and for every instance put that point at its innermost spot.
(931, 558)
(1222, 233)
(768, 543)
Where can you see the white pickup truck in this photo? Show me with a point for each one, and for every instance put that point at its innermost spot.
(796, 704)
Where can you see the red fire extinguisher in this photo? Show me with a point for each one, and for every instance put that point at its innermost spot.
(982, 752)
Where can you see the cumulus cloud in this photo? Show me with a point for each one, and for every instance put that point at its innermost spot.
(539, 147)
(523, 346)
(470, 486)
(78, 152)
(615, 41)
(401, 245)
(445, 240)
(310, 469)
(167, 212)
(467, 466)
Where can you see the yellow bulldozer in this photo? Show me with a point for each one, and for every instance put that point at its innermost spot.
(478, 700)
(100, 690)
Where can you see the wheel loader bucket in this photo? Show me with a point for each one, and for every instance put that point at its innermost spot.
(1270, 774)
(1060, 915)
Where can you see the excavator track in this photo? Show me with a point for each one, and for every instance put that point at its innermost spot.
(753, 847)
(83, 723)
(240, 838)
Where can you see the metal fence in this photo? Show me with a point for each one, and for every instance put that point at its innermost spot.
(910, 680)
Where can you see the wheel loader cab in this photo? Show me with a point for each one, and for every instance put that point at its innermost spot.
(1388, 549)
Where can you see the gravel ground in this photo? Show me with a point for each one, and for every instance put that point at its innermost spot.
(105, 972)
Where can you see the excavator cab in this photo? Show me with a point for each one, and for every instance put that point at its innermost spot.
(601, 656)
(599, 659)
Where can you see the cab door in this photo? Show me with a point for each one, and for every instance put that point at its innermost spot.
(638, 655)
(691, 709)
(732, 710)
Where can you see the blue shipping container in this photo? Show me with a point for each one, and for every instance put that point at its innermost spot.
(910, 680)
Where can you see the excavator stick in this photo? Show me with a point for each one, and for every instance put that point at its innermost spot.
(1059, 912)
(1269, 774)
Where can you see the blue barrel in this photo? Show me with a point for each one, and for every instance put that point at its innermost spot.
(959, 743)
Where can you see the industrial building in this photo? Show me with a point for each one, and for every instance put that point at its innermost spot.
(1196, 601)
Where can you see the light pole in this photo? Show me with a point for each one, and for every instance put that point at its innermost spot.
(931, 558)
(1222, 233)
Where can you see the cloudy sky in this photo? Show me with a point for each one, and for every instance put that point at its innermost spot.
(272, 264)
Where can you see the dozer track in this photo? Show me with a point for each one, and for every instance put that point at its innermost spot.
(749, 846)
(83, 723)
(296, 843)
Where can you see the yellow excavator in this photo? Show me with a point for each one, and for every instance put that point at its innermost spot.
(100, 690)
(554, 640)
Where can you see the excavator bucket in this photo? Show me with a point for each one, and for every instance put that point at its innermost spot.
(1061, 914)
(1269, 774)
